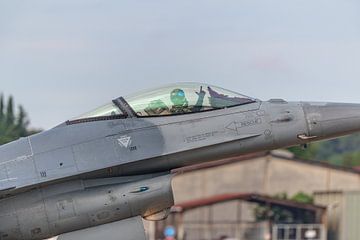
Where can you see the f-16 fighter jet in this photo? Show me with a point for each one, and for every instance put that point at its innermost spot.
(97, 175)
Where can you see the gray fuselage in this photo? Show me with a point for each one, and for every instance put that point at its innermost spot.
(73, 153)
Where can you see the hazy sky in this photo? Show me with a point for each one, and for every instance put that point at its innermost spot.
(60, 58)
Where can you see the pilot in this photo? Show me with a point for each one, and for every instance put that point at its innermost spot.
(181, 104)
(157, 107)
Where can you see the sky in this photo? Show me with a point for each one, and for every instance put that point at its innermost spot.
(61, 58)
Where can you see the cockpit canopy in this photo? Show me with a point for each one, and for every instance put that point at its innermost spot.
(184, 98)
(173, 99)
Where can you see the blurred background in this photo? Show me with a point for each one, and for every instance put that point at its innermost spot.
(61, 58)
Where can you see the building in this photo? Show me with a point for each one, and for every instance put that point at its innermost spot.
(343, 213)
(209, 218)
(266, 174)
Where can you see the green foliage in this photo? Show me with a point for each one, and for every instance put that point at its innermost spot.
(303, 198)
(343, 151)
(282, 215)
(350, 159)
(309, 153)
(274, 213)
(13, 125)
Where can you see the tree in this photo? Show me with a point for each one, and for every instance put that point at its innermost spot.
(274, 213)
(279, 214)
(13, 125)
(2, 106)
(10, 117)
(302, 197)
(343, 151)
(310, 153)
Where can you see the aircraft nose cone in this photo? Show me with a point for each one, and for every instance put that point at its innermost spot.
(327, 120)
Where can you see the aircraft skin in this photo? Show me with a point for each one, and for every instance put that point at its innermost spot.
(88, 172)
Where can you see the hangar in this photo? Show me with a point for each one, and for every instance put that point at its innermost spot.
(262, 174)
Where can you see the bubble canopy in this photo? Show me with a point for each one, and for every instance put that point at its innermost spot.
(184, 98)
(169, 100)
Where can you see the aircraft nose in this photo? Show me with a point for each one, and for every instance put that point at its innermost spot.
(327, 120)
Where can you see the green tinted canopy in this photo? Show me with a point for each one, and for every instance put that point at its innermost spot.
(184, 98)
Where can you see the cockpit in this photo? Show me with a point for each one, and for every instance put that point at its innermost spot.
(175, 99)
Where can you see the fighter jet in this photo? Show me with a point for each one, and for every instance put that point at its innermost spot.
(97, 175)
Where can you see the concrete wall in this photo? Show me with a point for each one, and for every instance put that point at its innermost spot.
(232, 211)
(247, 176)
(269, 175)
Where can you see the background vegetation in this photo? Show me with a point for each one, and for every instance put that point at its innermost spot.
(14, 123)
(279, 214)
(343, 151)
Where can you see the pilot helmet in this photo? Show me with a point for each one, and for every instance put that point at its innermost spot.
(178, 97)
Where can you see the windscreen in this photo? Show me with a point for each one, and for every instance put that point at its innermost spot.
(105, 112)
(184, 98)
